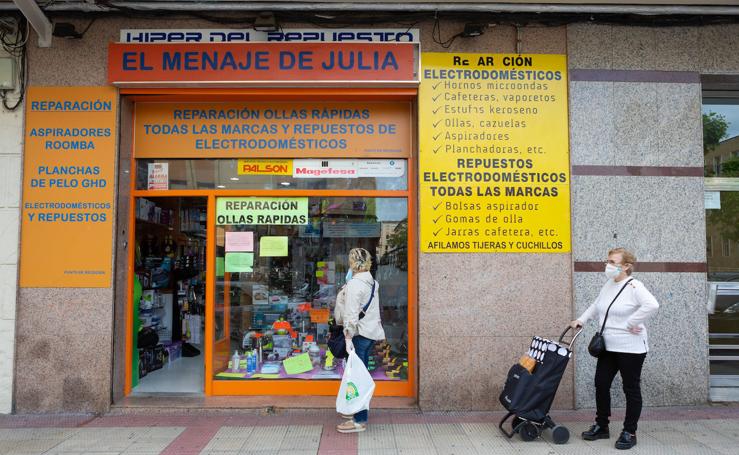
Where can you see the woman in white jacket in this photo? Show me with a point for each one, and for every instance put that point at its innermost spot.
(361, 333)
(626, 344)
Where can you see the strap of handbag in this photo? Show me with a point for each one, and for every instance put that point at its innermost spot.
(614, 299)
(366, 307)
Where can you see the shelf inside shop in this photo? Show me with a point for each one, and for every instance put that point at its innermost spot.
(154, 224)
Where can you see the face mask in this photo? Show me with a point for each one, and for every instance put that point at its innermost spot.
(612, 271)
(349, 275)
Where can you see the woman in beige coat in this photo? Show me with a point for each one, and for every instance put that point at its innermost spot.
(361, 330)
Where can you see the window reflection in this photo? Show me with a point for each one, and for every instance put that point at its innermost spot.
(275, 305)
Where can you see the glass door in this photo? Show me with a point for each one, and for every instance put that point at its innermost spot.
(721, 151)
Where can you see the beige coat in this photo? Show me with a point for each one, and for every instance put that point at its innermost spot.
(357, 293)
(339, 308)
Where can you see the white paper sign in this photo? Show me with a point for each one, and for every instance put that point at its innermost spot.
(712, 199)
(158, 178)
(239, 241)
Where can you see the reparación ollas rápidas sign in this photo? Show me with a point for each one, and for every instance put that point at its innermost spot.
(273, 63)
(494, 161)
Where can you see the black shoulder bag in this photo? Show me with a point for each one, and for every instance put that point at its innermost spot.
(336, 340)
(597, 344)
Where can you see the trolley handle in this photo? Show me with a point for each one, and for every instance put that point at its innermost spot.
(572, 341)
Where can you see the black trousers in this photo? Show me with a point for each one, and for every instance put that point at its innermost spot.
(629, 365)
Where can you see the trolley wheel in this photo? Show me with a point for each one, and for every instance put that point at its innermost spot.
(516, 422)
(529, 432)
(560, 434)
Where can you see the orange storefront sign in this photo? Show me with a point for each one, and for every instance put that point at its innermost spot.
(274, 63)
(277, 129)
(68, 187)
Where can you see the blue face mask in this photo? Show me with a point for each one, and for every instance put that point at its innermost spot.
(349, 275)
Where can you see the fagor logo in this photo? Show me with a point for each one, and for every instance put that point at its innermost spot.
(351, 391)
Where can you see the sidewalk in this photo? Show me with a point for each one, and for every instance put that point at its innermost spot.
(685, 430)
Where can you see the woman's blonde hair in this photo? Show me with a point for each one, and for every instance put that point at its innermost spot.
(360, 260)
(627, 257)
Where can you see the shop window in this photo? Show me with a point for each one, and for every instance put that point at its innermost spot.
(716, 165)
(720, 144)
(277, 276)
(277, 174)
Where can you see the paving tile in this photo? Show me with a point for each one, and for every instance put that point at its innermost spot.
(7, 434)
(452, 443)
(378, 452)
(266, 438)
(302, 438)
(377, 436)
(445, 428)
(27, 445)
(531, 448)
(234, 432)
(225, 444)
(417, 451)
(409, 436)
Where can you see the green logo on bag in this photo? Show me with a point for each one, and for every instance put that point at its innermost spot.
(351, 391)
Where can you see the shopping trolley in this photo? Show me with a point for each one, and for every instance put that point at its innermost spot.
(528, 395)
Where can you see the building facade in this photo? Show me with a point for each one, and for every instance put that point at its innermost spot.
(628, 135)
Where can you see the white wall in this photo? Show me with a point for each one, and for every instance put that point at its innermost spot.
(11, 148)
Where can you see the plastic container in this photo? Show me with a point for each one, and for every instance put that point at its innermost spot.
(315, 354)
(235, 359)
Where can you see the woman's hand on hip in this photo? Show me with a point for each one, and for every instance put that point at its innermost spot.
(636, 330)
(576, 324)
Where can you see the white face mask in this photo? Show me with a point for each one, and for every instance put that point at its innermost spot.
(612, 271)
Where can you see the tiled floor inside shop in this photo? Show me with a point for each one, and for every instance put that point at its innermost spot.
(704, 430)
(184, 375)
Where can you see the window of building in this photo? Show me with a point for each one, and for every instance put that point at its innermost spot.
(720, 143)
(278, 279)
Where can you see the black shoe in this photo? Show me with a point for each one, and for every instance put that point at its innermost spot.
(626, 440)
(596, 432)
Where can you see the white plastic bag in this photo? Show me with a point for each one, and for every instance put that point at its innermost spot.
(356, 388)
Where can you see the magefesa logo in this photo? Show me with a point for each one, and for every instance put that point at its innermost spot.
(149, 36)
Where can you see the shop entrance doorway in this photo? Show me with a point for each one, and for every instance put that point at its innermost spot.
(169, 295)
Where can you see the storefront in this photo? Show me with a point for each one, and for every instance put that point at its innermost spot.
(188, 206)
(251, 249)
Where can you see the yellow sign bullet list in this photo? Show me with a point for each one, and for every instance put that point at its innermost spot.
(494, 159)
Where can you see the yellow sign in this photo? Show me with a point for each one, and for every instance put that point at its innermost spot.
(270, 246)
(265, 167)
(494, 155)
(68, 187)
